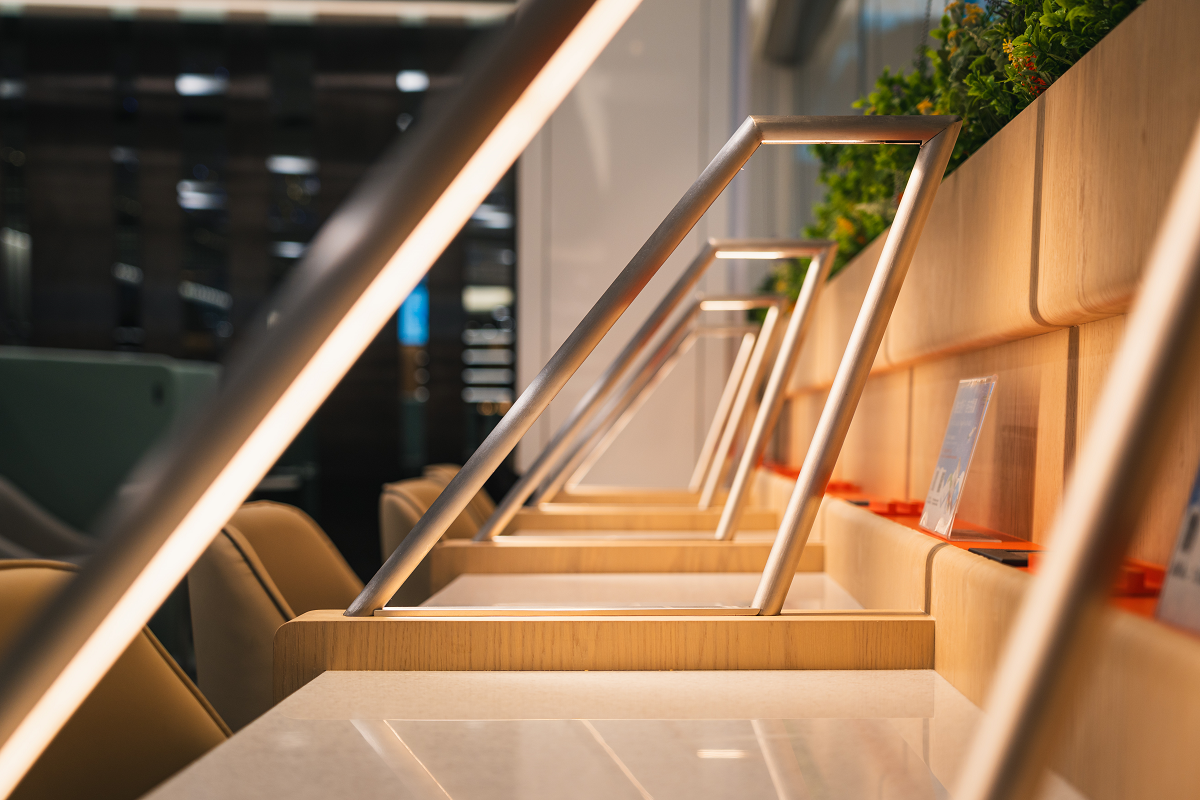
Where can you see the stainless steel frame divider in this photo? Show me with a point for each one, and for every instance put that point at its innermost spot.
(931, 132)
(646, 378)
(543, 470)
(774, 394)
(1141, 411)
(855, 366)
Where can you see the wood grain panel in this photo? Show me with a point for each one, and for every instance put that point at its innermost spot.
(804, 411)
(582, 517)
(882, 564)
(1159, 526)
(1117, 126)
(974, 601)
(1135, 727)
(875, 454)
(1021, 446)
(969, 283)
(326, 640)
(837, 310)
(627, 495)
(452, 558)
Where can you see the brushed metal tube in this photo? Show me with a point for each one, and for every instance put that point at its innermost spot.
(562, 365)
(722, 413)
(855, 366)
(741, 406)
(147, 544)
(638, 391)
(1141, 411)
(773, 396)
(670, 232)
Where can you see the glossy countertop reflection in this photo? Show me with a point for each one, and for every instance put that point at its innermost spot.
(858, 735)
(809, 590)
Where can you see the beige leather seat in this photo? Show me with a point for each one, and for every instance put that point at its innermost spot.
(144, 722)
(269, 564)
(402, 503)
(481, 504)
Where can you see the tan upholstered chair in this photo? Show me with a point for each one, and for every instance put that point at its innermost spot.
(270, 563)
(481, 504)
(144, 722)
(402, 503)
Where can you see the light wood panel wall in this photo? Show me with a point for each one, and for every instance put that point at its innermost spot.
(880, 563)
(1016, 475)
(1155, 537)
(876, 452)
(326, 640)
(1135, 727)
(969, 283)
(1117, 125)
(1047, 226)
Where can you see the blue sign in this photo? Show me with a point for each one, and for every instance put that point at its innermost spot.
(414, 317)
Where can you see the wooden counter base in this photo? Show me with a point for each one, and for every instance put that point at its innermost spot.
(526, 554)
(327, 640)
(588, 517)
(619, 495)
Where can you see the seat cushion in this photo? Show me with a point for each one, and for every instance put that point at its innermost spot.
(142, 723)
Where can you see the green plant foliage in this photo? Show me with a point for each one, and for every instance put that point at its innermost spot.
(990, 62)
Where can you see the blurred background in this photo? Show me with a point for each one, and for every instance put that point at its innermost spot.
(162, 169)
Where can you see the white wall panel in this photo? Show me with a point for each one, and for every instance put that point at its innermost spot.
(605, 170)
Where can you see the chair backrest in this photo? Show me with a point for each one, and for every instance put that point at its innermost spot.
(402, 503)
(142, 723)
(270, 563)
(298, 555)
(481, 504)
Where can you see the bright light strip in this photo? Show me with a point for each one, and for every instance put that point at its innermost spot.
(763, 255)
(312, 385)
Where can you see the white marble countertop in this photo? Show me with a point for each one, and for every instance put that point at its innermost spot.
(857, 735)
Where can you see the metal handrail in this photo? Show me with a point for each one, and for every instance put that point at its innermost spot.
(855, 366)
(773, 395)
(931, 132)
(647, 377)
(1141, 411)
(363, 261)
